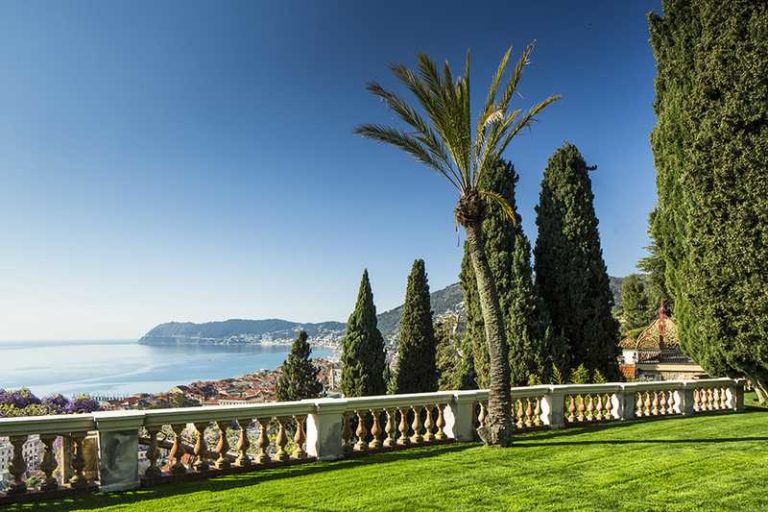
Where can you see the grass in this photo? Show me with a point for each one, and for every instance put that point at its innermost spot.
(698, 463)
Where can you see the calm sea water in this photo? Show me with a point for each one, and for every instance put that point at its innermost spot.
(125, 367)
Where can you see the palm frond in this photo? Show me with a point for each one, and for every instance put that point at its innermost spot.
(497, 198)
(407, 143)
(523, 122)
(408, 114)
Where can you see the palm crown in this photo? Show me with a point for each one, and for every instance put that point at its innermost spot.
(446, 142)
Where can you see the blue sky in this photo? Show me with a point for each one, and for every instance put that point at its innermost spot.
(195, 160)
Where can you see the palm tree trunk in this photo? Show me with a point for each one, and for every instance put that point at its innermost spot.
(498, 428)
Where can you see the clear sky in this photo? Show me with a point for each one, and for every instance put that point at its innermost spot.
(195, 160)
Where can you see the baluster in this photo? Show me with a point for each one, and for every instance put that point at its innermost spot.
(361, 445)
(590, 407)
(416, 438)
(608, 408)
(280, 442)
(346, 434)
(519, 414)
(710, 400)
(716, 398)
(599, 407)
(528, 413)
(262, 442)
(48, 464)
(571, 409)
(222, 446)
(403, 428)
(655, 403)
(78, 480)
(243, 443)
(429, 436)
(482, 415)
(639, 405)
(537, 413)
(299, 438)
(153, 471)
(389, 428)
(647, 411)
(18, 465)
(719, 395)
(440, 434)
(375, 443)
(663, 403)
(696, 400)
(723, 398)
(671, 403)
(703, 399)
(201, 448)
(580, 398)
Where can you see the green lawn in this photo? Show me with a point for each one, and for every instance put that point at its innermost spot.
(705, 463)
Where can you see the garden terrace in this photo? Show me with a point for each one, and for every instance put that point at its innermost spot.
(131, 449)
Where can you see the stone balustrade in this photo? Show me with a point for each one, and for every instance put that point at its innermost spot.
(200, 442)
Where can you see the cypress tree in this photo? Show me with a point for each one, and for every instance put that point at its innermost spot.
(710, 146)
(531, 350)
(570, 271)
(298, 377)
(637, 310)
(416, 369)
(363, 356)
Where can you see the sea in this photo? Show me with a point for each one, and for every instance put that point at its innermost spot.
(117, 368)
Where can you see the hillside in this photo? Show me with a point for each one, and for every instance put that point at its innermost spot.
(445, 300)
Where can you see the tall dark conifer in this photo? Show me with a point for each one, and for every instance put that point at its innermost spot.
(363, 357)
(298, 376)
(531, 350)
(710, 146)
(570, 271)
(416, 370)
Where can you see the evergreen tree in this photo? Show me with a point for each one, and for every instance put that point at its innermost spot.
(455, 366)
(416, 371)
(298, 376)
(710, 146)
(655, 266)
(363, 356)
(509, 254)
(570, 271)
(637, 310)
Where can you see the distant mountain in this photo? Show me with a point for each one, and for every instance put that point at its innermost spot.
(272, 330)
(446, 300)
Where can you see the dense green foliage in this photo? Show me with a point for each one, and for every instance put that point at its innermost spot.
(455, 366)
(415, 370)
(570, 271)
(509, 255)
(637, 308)
(684, 464)
(710, 146)
(298, 376)
(363, 356)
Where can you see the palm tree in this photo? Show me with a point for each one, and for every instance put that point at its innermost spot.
(446, 142)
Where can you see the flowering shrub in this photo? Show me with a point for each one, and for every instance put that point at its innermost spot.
(23, 402)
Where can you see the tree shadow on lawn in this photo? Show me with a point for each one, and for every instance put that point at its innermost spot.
(257, 476)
